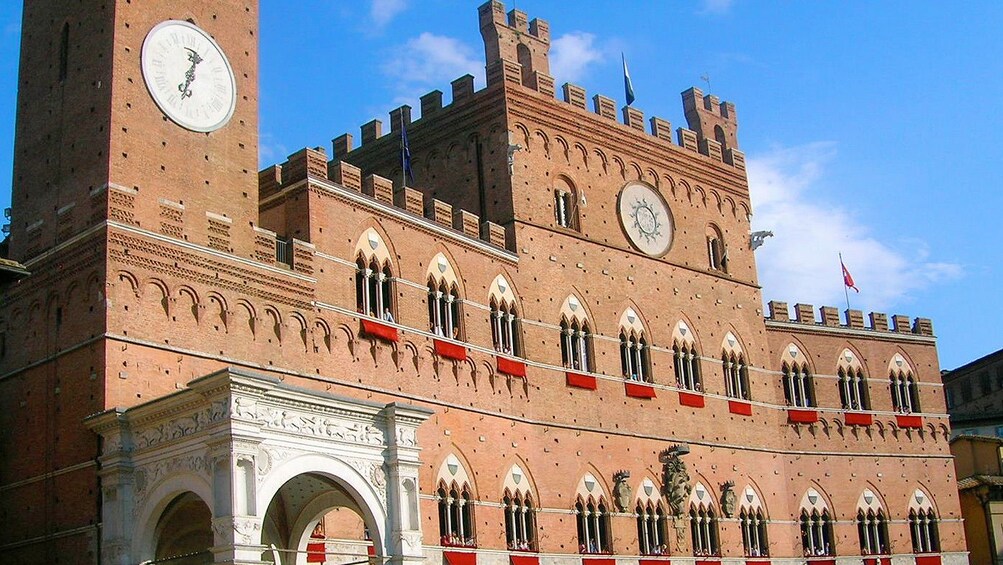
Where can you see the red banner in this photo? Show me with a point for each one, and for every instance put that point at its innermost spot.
(739, 407)
(858, 418)
(638, 390)
(581, 381)
(511, 367)
(802, 416)
(909, 421)
(450, 350)
(691, 399)
(382, 331)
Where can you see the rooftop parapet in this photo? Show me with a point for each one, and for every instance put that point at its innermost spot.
(310, 163)
(829, 317)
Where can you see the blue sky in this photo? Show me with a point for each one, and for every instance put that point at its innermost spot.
(870, 128)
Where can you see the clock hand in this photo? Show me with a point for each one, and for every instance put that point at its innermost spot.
(195, 59)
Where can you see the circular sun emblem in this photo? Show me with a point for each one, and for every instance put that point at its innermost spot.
(645, 218)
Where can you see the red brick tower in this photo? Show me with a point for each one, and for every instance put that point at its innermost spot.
(96, 159)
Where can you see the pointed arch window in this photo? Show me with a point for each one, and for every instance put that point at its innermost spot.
(635, 356)
(505, 328)
(717, 255)
(593, 522)
(924, 531)
(872, 530)
(736, 375)
(816, 533)
(703, 531)
(799, 387)
(905, 392)
(754, 540)
(520, 522)
(374, 289)
(576, 345)
(853, 394)
(565, 204)
(686, 358)
(651, 529)
(444, 309)
(456, 524)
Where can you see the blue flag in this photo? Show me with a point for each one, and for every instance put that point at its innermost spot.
(627, 86)
(405, 154)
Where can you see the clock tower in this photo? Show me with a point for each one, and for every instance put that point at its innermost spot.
(140, 113)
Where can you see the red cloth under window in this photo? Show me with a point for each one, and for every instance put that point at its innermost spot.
(450, 350)
(511, 367)
(460, 557)
(587, 561)
(909, 421)
(376, 329)
(802, 416)
(927, 560)
(757, 562)
(692, 399)
(739, 407)
(315, 553)
(638, 390)
(649, 561)
(877, 561)
(858, 418)
(523, 560)
(581, 381)
(826, 561)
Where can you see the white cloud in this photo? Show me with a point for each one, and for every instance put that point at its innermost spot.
(715, 6)
(571, 54)
(270, 151)
(800, 263)
(428, 62)
(382, 11)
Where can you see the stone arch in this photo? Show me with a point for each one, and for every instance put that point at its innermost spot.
(512, 485)
(575, 309)
(244, 318)
(462, 474)
(701, 194)
(144, 542)
(794, 353)
(374, 243)
(274, 319)
(298, 323)
(369, 499)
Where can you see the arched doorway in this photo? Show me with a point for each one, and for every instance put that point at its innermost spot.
(184, 532)
(316, 518)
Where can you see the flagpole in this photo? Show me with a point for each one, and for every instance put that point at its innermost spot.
(403, 160)
(846, 290)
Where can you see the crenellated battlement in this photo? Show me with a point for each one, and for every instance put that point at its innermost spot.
(313, 164)
(829, 317)
(574, 95)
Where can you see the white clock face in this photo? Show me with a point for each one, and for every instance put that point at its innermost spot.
(645, 218)
(188, 76)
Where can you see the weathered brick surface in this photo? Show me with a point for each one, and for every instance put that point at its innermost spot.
(140, 314)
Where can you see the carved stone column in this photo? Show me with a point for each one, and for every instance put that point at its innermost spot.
(117, 491)
(404, 538)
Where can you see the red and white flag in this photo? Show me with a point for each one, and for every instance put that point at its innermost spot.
(847, 277)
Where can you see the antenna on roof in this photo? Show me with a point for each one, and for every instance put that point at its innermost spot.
(706, 78)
